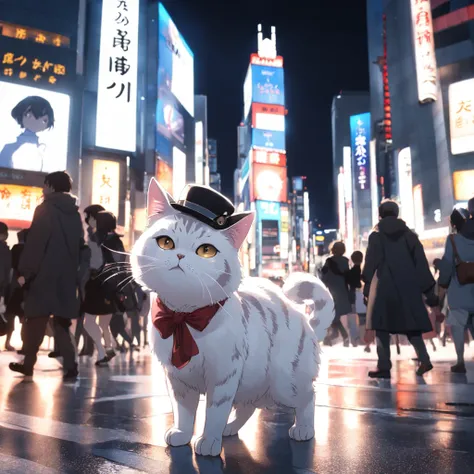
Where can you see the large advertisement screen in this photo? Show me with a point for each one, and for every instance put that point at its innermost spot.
(268, 86)
(169, 122)
(176, 61)
(269, 157)
(269, 183)
(179, 172)
(164, 175)
(34, 128)
(268, 139)
(267, 210)
(270, 238)
(106, 185)
(360, 143)
(268, 117)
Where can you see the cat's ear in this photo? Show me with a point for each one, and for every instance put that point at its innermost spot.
(158, 202)
(237, 233)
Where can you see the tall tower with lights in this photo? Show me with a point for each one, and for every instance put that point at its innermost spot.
(262, 175)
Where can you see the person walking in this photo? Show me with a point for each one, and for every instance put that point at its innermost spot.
(459, 247)
(15, 297)
(334, 274)
(396, 276)
(5, 274)
(101, 290)
(48, 272)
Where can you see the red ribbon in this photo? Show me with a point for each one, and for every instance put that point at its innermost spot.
(172, 323)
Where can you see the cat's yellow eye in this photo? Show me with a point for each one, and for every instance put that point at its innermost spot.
(165, 242)
(206, 251)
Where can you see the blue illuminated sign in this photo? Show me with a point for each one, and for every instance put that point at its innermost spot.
(360, 143)
(268, 139)
(268, 85)
(267, 210)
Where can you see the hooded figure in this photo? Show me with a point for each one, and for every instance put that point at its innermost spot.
(396, 276)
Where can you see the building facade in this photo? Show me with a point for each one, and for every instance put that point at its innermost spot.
(262, 175)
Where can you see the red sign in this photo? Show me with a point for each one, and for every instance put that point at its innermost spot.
(266, 157)
(256, 59)
(268, 183)
(164, 175)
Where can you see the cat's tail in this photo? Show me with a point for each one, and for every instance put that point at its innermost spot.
(304, 287)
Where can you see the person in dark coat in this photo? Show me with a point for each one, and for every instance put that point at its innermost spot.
(5, 269)
(396, 276)
(49, 272)
(101, 289)
(15, 297)
(334, 276)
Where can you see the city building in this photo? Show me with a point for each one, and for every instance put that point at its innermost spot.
(122, 98)
(427, 48)
(351, 153)
(262, 176)
(215, 177)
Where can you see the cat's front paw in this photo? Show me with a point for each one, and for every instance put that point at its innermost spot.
(175, 437)
(301, 432)
(208, 446)
(231, 429)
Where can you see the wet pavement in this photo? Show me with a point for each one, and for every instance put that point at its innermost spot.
(113, 421)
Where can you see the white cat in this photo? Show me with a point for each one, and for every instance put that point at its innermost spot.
(257, 351)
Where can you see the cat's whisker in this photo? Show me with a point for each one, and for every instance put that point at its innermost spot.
(210, 296)
(115, 274)
(221, 287)
(128, 254)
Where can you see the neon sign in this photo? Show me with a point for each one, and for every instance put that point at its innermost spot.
(360, 139)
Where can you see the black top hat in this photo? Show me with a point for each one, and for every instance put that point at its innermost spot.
(208, 206)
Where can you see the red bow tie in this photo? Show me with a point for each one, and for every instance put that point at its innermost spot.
(169, 322)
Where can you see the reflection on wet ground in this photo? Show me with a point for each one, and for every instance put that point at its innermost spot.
(113, 421)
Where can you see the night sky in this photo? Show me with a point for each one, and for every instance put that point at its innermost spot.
(324, 45)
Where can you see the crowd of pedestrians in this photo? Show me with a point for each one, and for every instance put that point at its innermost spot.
(397, 296)
(60, 282)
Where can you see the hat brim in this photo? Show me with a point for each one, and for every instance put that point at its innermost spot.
(231, 220)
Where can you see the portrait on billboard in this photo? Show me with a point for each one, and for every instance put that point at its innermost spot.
(34, 131)
(176, 61)
(268, 85)
(269, 183)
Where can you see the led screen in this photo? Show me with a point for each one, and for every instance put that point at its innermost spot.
(176, 62)
(169, 122)
(360, 141)
(270, 238)
(179, 172)
(268, 85)
(268, 139)
(267, 210)
(269, 183)
(26, 141)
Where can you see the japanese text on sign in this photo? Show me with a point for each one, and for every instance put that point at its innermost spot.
(31, 68)
(461, 116)
(30, 34)
(106, 184)
(118, 68)
(424, 50)
(18, 203)
(360, 137)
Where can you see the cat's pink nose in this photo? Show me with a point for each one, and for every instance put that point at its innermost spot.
(180, 256)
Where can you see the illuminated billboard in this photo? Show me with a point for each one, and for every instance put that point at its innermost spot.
(268, 140)
(18, 204)
(247, 92)
(425, 58)
(405, 187)
(268, 117)
(360, 140)
(179, 172)
(270, 232)
(265, 157)
(176, 61)
(169, 122)
(284, 231)
(461, 116)
(116, 121)
(164, 175)
(269, 183)
(34, 128)
(463, 185)
(268, 210)
(199, 152)
(106, 185)
(268, 85)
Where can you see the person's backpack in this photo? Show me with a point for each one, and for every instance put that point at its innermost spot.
(464, 270)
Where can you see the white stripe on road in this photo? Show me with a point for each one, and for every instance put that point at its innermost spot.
(14, 465)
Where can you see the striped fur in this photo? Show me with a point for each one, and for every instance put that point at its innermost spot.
(258, 351)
